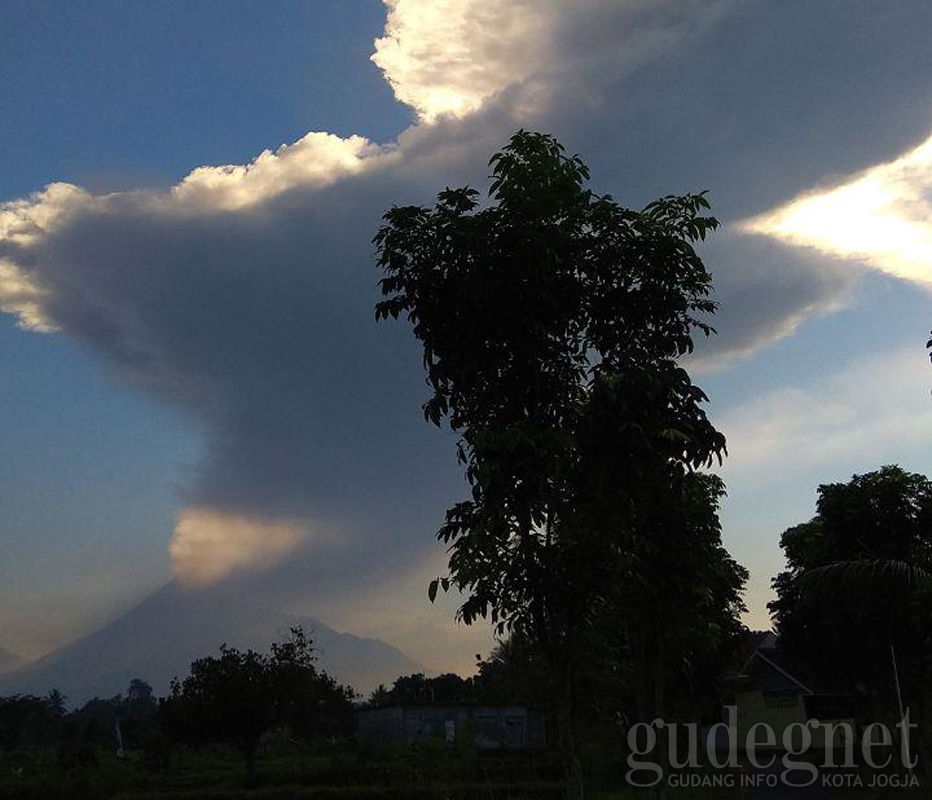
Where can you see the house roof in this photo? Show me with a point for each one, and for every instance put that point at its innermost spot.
(766, 668)
(766, 673)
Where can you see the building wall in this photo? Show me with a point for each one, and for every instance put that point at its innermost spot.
(485, 727)
(776, 709)
(780, 709)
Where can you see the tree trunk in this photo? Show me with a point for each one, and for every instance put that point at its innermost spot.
(663, 734)
(569, 741)
(250, 753)
(560, 658)
(647, 657)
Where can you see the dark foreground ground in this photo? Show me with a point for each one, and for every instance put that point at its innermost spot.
(220, 774)
(425, 774)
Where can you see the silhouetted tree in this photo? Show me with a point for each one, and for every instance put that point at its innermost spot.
(140, 700)
(308, 700)
(668, 632)
(95, 722)
(55, 701)
(857, 592)
(853, 584)
(551, 322)
(379, 698)
(139, 724)
(225, 698)
(237, 696)
(514, 673)
(418, 689)
(29, 721)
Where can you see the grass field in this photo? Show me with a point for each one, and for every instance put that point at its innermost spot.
(283, 772)
(218, 773)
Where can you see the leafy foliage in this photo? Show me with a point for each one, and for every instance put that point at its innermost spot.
(857, 582)
(237, 696)
(418, 689)
(675, 617)
(26, 720)
(551, 321)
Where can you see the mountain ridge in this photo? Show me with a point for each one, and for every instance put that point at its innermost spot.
(10, 661)
(158, 639)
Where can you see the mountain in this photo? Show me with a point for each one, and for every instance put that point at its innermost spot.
(159, 638)
(9, 661)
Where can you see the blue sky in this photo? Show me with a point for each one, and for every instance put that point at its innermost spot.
(118, 94)
(209, 363)
(115, 95)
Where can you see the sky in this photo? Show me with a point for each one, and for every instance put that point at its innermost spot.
(193, 385)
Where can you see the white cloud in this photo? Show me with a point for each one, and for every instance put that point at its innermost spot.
(447, 57)
(881, 217)
(876, 410)
(314, 161)
(442, 58)
(24, 223)
(207, 544)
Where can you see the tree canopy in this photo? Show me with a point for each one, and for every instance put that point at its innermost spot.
(552, 320)
(237, 696)
(856, 584)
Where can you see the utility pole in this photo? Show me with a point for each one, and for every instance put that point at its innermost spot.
(899, 701)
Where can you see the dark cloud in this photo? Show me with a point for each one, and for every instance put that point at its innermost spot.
(257, 320)
(260, 326)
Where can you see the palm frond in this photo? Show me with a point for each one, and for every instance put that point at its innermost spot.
(863, 575)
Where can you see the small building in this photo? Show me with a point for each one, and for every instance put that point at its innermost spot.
(770, 690)
(482, 727)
